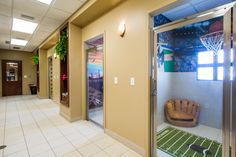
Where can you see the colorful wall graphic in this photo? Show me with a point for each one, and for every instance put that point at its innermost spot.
(95, 78)
(181, 45)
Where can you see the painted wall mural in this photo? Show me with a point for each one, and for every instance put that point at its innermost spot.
(178, 48)
(95, 78)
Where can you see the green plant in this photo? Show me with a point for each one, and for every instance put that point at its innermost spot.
(36, 59)
(62, 46)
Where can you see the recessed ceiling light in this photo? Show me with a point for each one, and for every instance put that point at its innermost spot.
(45, 1)
(19, 42)
(23, 26)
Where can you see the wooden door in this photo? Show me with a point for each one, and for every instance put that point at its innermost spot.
(11, 77)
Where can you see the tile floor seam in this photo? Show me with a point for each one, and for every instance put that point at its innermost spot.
(41, 131)
(22, 128)
(60, 131)
(40, 118)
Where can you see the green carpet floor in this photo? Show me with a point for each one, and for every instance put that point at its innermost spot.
(178, 143)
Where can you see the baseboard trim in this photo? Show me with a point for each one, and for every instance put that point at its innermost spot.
(69, 118)
(42, 97)
(65, 116)
(57, 102)
(126, 142)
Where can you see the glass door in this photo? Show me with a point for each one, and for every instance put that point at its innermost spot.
(94, 50)
(233, 107)
(50, 78)
(193, 83)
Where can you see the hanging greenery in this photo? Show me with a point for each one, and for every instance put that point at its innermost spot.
(62, 46)
(36, 59)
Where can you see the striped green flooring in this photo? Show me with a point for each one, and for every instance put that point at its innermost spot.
(178, 143)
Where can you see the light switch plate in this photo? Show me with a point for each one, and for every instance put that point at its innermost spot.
(115, 80)
(132, 81)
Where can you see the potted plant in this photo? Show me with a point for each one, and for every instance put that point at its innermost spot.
(62, 46)
(36, 59)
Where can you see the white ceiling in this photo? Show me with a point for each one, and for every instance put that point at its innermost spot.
(193, 7)
(49, 18)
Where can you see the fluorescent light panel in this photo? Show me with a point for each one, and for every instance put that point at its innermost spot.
(19, 42)
(23, 26)
(45, 1)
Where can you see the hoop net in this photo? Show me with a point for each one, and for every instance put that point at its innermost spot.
(213, 41)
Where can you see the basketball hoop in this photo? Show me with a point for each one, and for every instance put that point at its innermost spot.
(213, 41)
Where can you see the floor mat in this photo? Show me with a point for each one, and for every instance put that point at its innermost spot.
(178, 143)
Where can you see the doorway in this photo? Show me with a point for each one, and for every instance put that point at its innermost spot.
(11, 77)
(50, 77)
(193, 77)
(95, 81)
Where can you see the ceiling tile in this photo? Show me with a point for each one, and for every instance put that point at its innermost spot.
(5, 10)
(4, 46)
(49, 24)
(194, 2)
(20, 35)
(4, 37)
(6, 2)
(5, 28)
(31, 6)
(18, 14)
(39, 37)
(178, 12)
(68, 7)
(5, 19)
(210, 4)
(49, 18)
(58, 14)
(30, 47)
(13, 47)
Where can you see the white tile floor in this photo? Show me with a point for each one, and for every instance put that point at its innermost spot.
(200, 130)
(32, 127)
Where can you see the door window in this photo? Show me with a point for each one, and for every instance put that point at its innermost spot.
(11, 71)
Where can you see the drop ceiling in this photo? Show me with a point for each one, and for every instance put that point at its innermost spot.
(48, 17)
(194, 7)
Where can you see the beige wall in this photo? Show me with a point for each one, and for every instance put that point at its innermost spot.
(28, 68)
(43, 76)
(56, 75)
(127, 107)
(74, 111)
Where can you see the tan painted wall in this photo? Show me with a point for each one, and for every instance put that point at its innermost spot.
(28, 68)
(56, 75)
(43, 79)
(127, 107)
(74, 112)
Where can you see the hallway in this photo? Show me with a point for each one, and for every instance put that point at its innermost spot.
(33, 127)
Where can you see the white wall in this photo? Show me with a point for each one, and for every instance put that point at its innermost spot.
(207, 93)
(163, 94)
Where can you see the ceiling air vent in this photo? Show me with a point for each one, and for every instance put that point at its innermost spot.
(16, 48)
(27, 17)
(7, 42)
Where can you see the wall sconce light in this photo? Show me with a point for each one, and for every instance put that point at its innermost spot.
(122, 29)
(55, 55)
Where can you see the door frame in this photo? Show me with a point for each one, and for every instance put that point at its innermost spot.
(50, 60)
(216, 12)
(21, 81)
(233, 153)
(102, 35)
